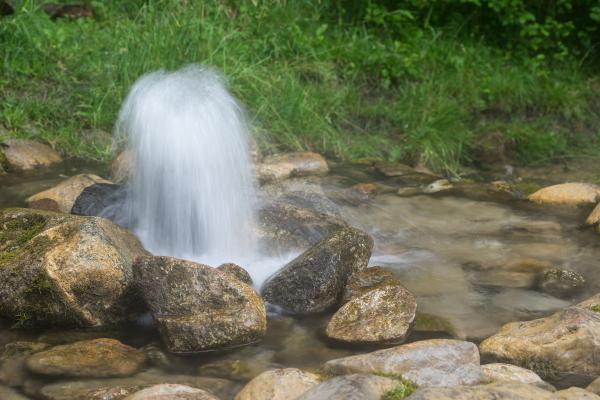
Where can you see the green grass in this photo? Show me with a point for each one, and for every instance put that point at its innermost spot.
(307, 81)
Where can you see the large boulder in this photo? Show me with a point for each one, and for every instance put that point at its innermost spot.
(98, 358)
(197, 307)
(571, 193)
(315, 280)
(288, 165)
(435, 362)
(356, 386)
(564, 346)
(60, 269)
(278, 384)
(170, 391)
(21, 155)
(494, 391)
(383, 315)
(283, 226)
(62, 196)
(118, 388)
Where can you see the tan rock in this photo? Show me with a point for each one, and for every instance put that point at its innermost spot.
(7, 393)
(594, 217)
(288, 165)
(565, 345)
(383, 315)
(98, 358)
(568, 194)
(62, 196)
(122, 167)
(236, 271)
(435, 362)
(355, 386)
(499, 372)
(575, 393)
(594, 387)
(365, 280)
(278, 384)
(494, 391)
(21, 154)
(170, 391)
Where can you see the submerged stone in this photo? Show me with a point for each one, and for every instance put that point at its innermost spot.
(12, 361)
(62, 196)
(64, 270)
(315, 280)
(199, 308)
(436, 362)
(278, 384)
(21, 155)
(98, 358)
(170, 391)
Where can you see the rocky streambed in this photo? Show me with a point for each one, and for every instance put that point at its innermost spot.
(394, 283)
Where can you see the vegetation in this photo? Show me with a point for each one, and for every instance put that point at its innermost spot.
(439, 82)
(404, 388)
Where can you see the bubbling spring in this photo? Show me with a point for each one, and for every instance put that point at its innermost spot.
(192, 193)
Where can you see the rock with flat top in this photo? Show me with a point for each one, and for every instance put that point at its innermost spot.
(62, 197)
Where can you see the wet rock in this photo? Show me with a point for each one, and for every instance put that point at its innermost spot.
(429, 323)
(314, 200)
(560, 282)
(62, 196)
(594, 216)
(383, 315)
(236, 271)
(247, 364)
(21, 155)
(436, 362)
(409, 191)
(12, 361)
(197, 307)
(102, 199)
(122, 167)
(594, 387)
(64, 270)
(494, 391)
(157, 357)
(499, 372)
(170, 391)
(575, 393)
(357, 194)
(288, 165)
(562, 347)
(567, 194)
(394, 169)
(356, 386)
(314, 281)
(7, 393)
(284, 226)
(119, 388)
(438, 186)
(278, 384)
(98, 358)
(367, 279)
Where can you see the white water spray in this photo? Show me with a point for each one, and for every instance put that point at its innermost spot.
(192, 192)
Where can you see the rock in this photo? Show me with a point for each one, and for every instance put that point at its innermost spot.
(21, 155)
(436, 362)
(408, 191)
(170, 391)
(429, 323)
(64, 270)
(365, 280)
(284, 226)
(314, 200)
(357, 194)
(242, 365)
(575, 393)
(314, 281)
(62, 196)
(197, 307)
(119, 388)
(594, 217)
(594, 387)
(122, 167)
(98, 358)
(567, 194)
(438, 186)
(562, 347)
(278, 384)
(498, 372)
(236, 271)
(560, 282)
(394, 169)
(494, 391)
(383, 315)
(7, 393)
(12, 361)
(101, 199)
(351, 387)
(287, 165)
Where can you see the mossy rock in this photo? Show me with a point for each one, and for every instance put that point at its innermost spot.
(433, 324)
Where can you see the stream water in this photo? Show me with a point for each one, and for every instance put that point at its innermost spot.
(429, 241)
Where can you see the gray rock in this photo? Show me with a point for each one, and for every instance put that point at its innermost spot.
(351, 387)
(314, 281)
(170, 391)
(278, 384)
(494, 391)
(197, 307)
(236, 271)
(436, 362)
(64, 270)
(104, 199)
(365, 280)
